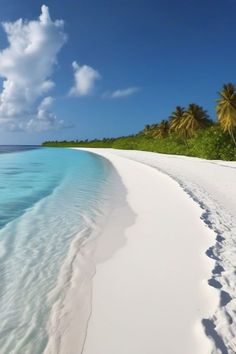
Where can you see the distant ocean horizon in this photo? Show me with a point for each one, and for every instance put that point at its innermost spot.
(4, 149)
(50, 198)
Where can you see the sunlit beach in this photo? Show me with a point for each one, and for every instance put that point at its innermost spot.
(117, 177)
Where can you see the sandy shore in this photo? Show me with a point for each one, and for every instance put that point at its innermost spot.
(151, 295)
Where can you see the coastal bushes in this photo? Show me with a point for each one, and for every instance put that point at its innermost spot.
(211, 143)
(187, 132)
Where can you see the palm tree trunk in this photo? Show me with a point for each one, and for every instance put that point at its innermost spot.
(186, 139)
(232, 136)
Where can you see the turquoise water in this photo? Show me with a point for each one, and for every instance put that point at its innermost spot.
(47, 198)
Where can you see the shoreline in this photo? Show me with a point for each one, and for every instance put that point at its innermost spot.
(150, 290)
(74, 310)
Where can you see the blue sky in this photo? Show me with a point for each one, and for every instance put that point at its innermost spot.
(136, 60)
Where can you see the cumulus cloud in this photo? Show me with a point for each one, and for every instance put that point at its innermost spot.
(45, 119)
(26, 66)
(85, 79)
(121, 93)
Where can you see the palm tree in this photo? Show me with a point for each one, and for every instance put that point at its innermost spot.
(162, 129)
(176, 120)
(150, 130)
(194, 118)
(226, 109)
(146, 129)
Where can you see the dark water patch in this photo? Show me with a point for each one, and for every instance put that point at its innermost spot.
(14, 209)
(225, 298)
(211, 332)
(36, 163)
(218, 269)
(6, 149)
(214, 283)
(11, 172)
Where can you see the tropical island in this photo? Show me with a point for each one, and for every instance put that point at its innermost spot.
(118, 233)
(188, 131)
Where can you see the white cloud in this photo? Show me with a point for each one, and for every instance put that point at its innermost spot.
(121, 93)
(45, 120)
(85, 79)
(26, 66)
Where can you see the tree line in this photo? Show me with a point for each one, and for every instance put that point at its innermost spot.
(185, 122)
(188, 131)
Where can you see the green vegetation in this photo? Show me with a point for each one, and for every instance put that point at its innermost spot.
(226, 110)
(188, 132)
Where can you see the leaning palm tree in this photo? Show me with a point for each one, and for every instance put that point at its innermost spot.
(146, 129)
(194, 118)
(226, 110)
(176, 120)
(150, 130)
(162, 129)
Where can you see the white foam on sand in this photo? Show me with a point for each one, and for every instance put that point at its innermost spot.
(71, 299)
(150, 291)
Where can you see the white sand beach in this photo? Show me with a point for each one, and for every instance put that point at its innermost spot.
(164, 287)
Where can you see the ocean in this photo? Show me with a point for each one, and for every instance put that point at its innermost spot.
(49, 198)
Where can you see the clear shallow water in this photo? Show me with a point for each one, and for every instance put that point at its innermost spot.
(47, 198)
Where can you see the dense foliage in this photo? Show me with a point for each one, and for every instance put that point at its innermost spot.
(187, 132)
